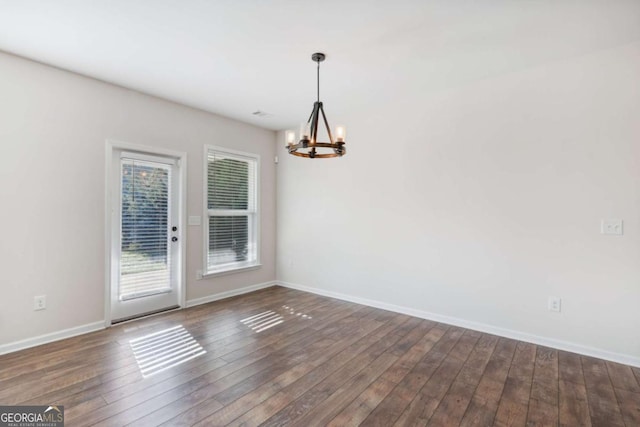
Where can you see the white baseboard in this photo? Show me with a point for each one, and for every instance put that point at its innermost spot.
(53, 336)
(476, 326)
(228, 294)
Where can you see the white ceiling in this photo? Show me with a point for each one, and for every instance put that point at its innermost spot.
(238, 56)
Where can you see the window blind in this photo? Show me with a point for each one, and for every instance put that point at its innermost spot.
(145, 256)
(232, 210)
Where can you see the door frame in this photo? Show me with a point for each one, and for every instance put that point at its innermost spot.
(110, 146)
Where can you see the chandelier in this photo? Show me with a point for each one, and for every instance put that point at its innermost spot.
(308, 144)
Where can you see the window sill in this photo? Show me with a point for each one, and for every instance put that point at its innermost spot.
(231, 270)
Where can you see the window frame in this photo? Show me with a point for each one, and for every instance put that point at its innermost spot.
(254, 224)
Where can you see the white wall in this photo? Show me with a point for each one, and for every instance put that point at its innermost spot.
(481, 201)
(53, 127)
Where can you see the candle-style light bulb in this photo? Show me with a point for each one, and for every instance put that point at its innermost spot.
(305, 131)
(341, 133)
(290, 137)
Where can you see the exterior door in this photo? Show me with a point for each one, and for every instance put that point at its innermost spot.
(145, 254)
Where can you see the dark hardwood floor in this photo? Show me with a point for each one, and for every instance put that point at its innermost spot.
(284, 357)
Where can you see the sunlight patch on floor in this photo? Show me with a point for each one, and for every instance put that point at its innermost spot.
(164, 349)
(270, 318)
(263, 321)
(292, 311)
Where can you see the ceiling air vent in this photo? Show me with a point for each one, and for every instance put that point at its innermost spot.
(259, 113)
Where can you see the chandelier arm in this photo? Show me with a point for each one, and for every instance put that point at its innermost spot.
(326, 124)
(314, 122)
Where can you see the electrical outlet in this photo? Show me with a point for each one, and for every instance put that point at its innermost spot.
(198, 274)
(39, 302)
(611, 226)
(554, 304)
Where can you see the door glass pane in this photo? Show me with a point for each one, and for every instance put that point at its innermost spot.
(145, 255)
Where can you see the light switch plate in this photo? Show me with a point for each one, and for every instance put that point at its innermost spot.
(611, 226)
(194, 220)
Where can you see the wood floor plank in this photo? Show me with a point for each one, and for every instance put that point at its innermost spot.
(484, 403)
(636, 373)
(570, 368)
(542, 414)
(544, 403)
(427, 400)
(574, 409)
(329, 362)
(362, 406)
(410, 350)
(629, 403)
(622, 377)
(514, 403)
(76, 411)
(572, 392)
(603, 405)
(325, 411)
(454, 404)
(409, 377)
(409, 390)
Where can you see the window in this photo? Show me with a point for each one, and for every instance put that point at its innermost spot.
(231, 229)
